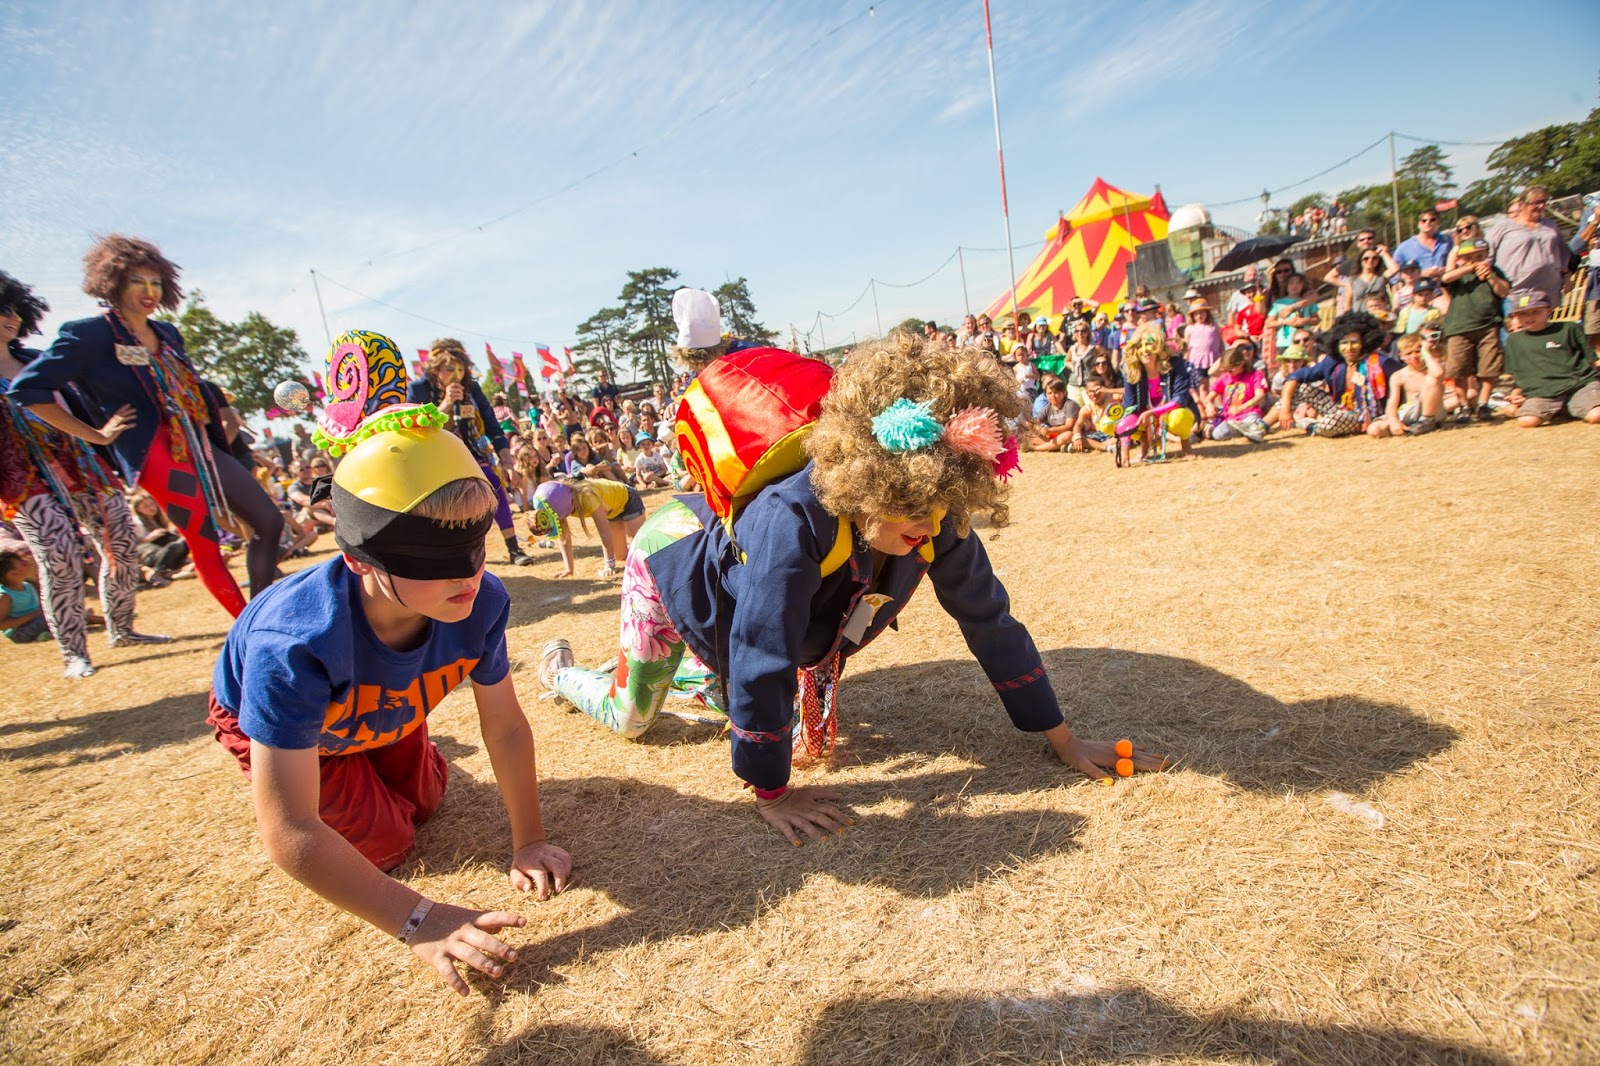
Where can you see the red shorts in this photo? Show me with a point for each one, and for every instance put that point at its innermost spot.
(374, 799)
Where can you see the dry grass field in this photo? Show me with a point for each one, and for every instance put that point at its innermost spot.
(1374, 665)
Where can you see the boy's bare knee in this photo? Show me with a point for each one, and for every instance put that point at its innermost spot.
(1531, 421)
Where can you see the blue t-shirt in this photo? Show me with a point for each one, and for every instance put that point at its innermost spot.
(1412, 250)
(302, 667)
(23, 601)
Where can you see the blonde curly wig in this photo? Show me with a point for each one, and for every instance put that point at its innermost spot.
(856, 476)
(1148, 337)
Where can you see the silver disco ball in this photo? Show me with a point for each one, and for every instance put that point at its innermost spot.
(292, 396)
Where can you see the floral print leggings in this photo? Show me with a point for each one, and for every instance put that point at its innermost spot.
(653, 661)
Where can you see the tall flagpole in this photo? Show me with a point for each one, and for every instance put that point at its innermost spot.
(324, 310)
(1000, 151)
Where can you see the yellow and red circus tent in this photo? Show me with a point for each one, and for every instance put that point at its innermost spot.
(1087, 251)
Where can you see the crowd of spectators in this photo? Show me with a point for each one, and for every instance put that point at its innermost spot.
(1389, 343)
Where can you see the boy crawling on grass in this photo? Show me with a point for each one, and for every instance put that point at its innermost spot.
(326, 680)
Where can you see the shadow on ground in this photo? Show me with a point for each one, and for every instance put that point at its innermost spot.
(1105, 1027)
(1202, 718)
(683, 864)
(1128, 1025)
(88, 738)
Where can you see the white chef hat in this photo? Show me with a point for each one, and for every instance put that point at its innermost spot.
(698, 317)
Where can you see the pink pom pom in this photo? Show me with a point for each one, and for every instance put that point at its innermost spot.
(1007, 462)
(975, 430)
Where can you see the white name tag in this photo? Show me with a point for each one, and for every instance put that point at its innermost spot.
(855, 627)
(133, 355)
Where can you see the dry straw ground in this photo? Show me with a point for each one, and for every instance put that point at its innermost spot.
(1409, 624)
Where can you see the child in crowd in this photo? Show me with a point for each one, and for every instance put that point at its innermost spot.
(1054, 430)
(616, 508)
(1202, 339)
(21, 617)
(1416, 310)
(1102, 389)
(1026, 373)
(1302, 352)
(1552, 363)
(650, 468)
(1240, 387)
(1416, 393)
(1474, 356)
(911, 443)
(325, 682)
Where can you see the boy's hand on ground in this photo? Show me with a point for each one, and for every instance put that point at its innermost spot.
(804, 810)
(451, 934)
(540, 867)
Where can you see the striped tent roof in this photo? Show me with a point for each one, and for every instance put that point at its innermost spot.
(1087, 251)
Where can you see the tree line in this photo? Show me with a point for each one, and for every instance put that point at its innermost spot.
(638, 332)
(1565, 158)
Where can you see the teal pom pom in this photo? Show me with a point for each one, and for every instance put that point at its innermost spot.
(904, 426)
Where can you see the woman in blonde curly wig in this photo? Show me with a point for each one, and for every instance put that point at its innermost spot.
(913, 441)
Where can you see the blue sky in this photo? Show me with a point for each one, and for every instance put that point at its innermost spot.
(371, 139)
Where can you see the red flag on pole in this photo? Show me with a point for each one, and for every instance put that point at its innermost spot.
(496, 370)
(316, 379)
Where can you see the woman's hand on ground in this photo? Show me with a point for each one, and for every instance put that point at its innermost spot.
(804, 810)
(540, 867)
(1097, 759)
(451, 934)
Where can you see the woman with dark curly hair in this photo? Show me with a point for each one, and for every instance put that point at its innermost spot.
(1348, 388)
(912, 442)
(165, 430)
(51, 485)
(447, 383)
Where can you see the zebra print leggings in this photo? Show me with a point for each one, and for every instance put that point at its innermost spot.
(51, 534)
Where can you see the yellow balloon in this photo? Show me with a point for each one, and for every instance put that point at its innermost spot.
(1180, 422)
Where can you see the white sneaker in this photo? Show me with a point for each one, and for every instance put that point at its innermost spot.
(557, 656)
(78, 666)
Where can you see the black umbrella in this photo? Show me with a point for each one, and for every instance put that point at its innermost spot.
(1253, 251)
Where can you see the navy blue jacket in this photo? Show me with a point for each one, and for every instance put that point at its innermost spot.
(423, 391)
(1176, 384)
(1330, 371)
(780, 613)
(83, 362)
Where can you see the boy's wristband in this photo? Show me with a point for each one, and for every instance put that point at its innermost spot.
(769, 793)
(414, 922)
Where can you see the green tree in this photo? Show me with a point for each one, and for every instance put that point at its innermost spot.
(602, 338)
(647, 301)
(1564, 158)
(247, 358)
(739, 312)
(911, 325)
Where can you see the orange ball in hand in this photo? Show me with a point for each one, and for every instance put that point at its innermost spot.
(1124, 767)
(1124, 750)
